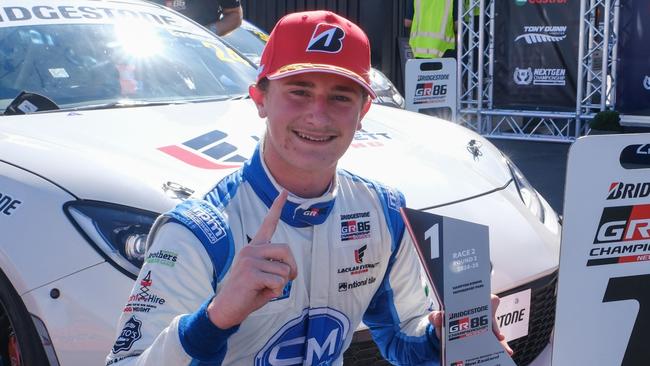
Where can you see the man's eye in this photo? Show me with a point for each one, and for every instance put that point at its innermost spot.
(299, 92)
(341, 98)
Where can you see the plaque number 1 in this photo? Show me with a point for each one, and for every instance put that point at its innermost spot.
(433, 236)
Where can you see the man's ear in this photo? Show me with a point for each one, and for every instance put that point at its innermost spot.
(257, 95)
(364, 109)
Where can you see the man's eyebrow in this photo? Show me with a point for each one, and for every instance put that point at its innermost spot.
(345, 88)
(305, 84)
(309, 84)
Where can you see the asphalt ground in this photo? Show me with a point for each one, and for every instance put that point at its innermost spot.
(543, 163)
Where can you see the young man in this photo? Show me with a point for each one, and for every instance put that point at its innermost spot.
(220, 16)
(257, 275)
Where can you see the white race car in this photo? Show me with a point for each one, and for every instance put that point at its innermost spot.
(115, 111)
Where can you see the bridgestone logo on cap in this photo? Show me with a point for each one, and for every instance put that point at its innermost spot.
(326, 38)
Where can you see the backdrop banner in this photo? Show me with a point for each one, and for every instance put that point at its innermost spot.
(536, 54)
(633, 89)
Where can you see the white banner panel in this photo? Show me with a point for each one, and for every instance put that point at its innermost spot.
(430, 87)
(603, 308)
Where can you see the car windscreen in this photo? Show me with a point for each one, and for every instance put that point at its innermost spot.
(249, 41)
(77, 65)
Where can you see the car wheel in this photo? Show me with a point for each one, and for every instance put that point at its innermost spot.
(19, 341)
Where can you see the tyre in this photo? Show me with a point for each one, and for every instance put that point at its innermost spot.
(20, 343)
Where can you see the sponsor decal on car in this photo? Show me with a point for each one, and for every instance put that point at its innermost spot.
(539, 76)
(164, 257)
(534, 34)
(131, 332)
(8, 204)
(513, 314)
(621, 190)
(208, 151)
(44, 14)
(646, 82)
(364, 138)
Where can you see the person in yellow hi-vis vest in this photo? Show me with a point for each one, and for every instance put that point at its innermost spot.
(432, 28)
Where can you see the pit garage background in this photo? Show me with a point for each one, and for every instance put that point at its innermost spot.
(527, 69)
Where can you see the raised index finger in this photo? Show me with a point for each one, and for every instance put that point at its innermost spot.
(271, 220)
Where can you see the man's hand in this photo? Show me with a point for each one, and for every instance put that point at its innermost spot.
(258, 274)
(231, 19)
(436, 317)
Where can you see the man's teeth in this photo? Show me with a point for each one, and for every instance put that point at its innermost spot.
(312, 138)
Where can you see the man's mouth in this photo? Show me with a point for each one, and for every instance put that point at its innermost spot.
(314, 138)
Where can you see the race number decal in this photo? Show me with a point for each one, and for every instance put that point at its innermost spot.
(636, 288)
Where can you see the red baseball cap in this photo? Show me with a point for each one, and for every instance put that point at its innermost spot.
(317, 41)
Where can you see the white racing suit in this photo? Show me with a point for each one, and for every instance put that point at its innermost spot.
(355, 263)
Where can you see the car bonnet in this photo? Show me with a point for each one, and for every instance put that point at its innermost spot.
(126, 155)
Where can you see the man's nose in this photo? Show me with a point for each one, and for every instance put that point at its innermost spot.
(319, 110)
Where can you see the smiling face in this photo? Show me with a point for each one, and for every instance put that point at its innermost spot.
(311, 121)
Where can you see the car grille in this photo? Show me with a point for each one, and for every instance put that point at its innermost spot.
(363, 351)
(542, 318)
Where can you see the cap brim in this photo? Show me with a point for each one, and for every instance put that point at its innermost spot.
(296, 69)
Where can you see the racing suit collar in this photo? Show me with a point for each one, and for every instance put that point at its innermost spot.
(298, 211)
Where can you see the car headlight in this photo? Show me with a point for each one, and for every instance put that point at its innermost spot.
(379, 81)
(527, 193)
(118, 233)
